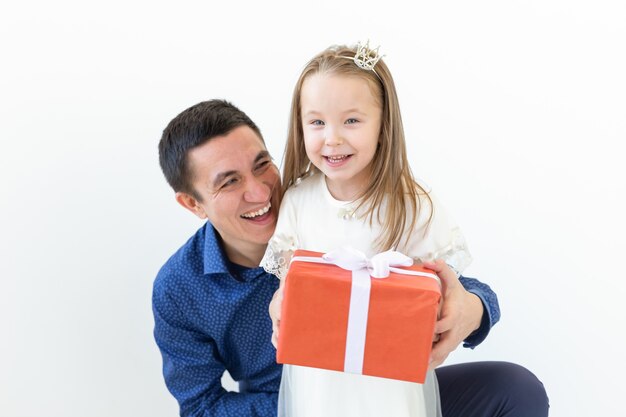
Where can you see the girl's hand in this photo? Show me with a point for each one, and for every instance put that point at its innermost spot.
(274, 310)
(461, 313)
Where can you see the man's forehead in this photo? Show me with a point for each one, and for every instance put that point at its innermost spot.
(239, 146)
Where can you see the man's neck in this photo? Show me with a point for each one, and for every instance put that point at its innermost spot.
(249, 257)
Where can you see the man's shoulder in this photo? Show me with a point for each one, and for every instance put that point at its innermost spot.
(184, 264)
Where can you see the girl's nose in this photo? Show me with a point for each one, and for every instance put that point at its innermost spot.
(332, 137)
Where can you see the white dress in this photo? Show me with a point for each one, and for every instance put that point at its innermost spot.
(311, 218)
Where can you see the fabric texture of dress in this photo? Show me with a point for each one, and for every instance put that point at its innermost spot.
(312, 219)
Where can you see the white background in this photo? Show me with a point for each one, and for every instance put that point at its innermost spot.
(515, 112)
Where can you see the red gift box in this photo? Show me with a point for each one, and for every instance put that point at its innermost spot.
(318, 314)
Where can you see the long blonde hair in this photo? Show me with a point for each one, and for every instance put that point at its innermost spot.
(391, 179)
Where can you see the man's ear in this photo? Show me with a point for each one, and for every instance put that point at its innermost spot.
(190, 203)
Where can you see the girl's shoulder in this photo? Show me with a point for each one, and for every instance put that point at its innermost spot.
(306, 188)
(424, 195)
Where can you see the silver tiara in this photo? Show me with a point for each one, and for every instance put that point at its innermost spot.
(365, 57)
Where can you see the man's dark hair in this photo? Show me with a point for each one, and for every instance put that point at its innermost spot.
(191, 128)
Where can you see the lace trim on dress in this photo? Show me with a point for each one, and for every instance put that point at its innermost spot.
(456, 254)
(278, 255)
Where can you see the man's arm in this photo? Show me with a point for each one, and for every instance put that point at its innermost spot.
(193, 369)
(491, 310)
(468, 313)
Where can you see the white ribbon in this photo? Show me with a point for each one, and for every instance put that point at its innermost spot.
(379, 266)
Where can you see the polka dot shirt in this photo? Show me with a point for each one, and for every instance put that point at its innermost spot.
(210, 316)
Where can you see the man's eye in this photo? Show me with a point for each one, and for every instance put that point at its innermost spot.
(229, 182)
(262, 164)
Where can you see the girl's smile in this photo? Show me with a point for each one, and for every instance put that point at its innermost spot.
(336, 161)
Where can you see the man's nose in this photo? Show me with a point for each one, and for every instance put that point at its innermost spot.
(257, 190)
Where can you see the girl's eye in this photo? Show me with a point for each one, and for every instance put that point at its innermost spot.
(317, 123)
(351, 121)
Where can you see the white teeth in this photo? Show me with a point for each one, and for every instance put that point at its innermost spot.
(336, 158)
(257, 213)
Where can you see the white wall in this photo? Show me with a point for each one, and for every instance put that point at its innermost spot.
(514, 111)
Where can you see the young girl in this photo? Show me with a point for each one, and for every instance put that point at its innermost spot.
(348, 183)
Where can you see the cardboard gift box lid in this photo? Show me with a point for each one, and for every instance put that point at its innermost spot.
(400, 320)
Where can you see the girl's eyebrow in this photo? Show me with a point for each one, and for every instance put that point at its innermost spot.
(315, 112)
(310, 112)
(353, 110)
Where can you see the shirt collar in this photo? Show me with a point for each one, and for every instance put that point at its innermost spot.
(216, 262)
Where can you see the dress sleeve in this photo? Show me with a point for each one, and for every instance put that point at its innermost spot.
(440, 239)
(284, 242)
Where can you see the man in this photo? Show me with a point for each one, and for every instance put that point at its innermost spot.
(210, 299)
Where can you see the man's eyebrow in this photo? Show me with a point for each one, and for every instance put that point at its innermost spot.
(261, 155)
(223, 175)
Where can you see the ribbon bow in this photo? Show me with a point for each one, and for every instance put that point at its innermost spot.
(378, 266)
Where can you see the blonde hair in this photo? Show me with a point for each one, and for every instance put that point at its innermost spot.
(391, 178)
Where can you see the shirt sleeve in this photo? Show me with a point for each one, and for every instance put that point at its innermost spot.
(491, 313)
(284, 241)
(193, 370)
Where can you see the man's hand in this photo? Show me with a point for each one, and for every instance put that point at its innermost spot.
(274, 310)
(461, 314)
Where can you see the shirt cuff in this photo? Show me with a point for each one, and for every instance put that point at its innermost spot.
(481, 333)
(491, 310)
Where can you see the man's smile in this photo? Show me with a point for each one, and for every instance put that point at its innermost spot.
(257, 213)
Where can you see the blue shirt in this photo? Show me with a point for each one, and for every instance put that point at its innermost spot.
(211, 315)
